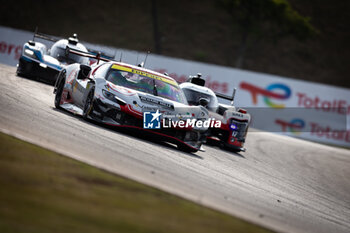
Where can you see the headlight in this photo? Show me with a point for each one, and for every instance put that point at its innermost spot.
(30, 53)
(112, 97)
(233, 126)
(108, 95)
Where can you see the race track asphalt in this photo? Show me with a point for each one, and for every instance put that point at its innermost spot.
(283, 183)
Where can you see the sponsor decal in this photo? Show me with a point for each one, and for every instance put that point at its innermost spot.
(71, 77)
(294, 126)
(156, 102)
(143, 73)
(334, 106)
(11, 49)
(329, 133)
(237, 114)
(78, 87)
(268, 93)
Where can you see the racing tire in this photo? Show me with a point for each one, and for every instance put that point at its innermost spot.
(89, 102)
(230, 149)
(22, 70)
(186, 148)
(59, 89)
(18, 72)
(212, 142)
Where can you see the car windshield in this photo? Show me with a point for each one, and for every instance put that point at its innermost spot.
(60, 54)
(193, 98)
(146, 82)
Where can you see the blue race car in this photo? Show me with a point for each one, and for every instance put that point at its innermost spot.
(44, 64)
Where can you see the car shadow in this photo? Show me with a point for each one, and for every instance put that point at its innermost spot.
(233, 152)
(145, 136)
(226, 149)
(36, 79)
(149, 137)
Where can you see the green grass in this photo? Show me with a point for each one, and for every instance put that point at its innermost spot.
(42, 191)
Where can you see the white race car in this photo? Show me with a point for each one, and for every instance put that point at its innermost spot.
(235, 121)
(123, 95)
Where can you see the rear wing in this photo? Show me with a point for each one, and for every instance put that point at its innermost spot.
(201, 82)
(226, 97)
(102, 54)
(97, 55)
(73, 39)
(43, 36)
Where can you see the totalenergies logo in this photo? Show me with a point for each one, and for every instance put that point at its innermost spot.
(294, 126)
(268, 93)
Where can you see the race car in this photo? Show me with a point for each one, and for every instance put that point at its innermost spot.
(38, 62)
(124, 95)
(235, 121)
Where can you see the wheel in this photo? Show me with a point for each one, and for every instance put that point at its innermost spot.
(230, 149)
(186, 148)
(59, 89)
(212, 142)
(23, 68)
(88, 103)
(18, 72)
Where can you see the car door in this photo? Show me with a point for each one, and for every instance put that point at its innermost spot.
(79, 88)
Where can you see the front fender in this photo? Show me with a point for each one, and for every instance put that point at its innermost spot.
(61, 75)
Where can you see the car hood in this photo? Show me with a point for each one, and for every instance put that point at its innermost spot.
(144, 102)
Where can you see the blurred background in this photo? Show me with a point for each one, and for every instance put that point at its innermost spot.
(306, 40)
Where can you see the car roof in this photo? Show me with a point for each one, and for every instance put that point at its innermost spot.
(64, 42)
(197, 88)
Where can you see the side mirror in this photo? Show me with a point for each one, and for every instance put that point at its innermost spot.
(204, 102)
(84, 72)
